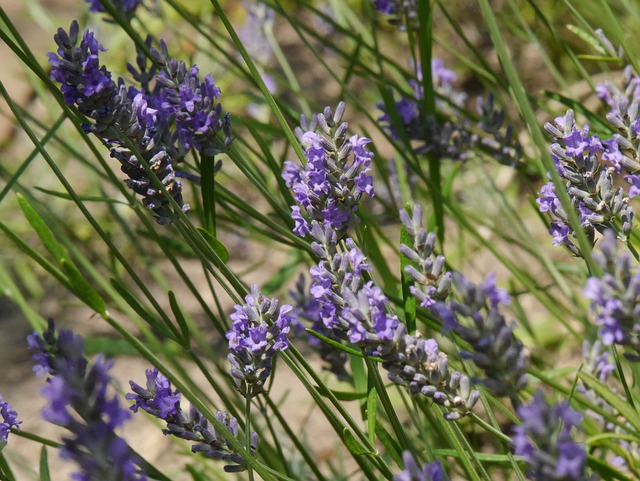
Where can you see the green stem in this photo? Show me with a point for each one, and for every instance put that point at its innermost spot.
(247, 429)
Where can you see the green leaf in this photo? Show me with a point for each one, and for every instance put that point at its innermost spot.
(5, 471)
(215, 244)
(182, 322)
(600, 58)
(389, 442)
(488, 458)
(372, 408)
(109, 346)
(337, 345)
(208, 188)
(352, 445)
(626, 411)
(41, 228)
(346, 395)
(82, 288)
(44, 465)
(87, 198)
(587, 37)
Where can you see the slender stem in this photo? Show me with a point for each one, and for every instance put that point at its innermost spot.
(247, 429)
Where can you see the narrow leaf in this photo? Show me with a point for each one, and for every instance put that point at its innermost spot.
(82, 288)
(215, 244)
(44, 465)
(208, 187)
(619, 404)
(372, 408)
(409, 301)
(177, 312)
(41, 228)
(352, 445)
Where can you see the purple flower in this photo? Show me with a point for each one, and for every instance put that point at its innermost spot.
(545, 441)
(9, 420)
(411, 471)
(161, 401)
(330, 186)
(548, 200)
(255, 337)
(157, 399)
(79, 401)
(634, 180)
(614, 295)
(560, 232)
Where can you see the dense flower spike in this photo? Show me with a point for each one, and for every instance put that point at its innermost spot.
(79, 401)
(160, 400)
(496, 350)
(9, 420)
(546, 442)
(412, 472)
(126, 7)
(330, 186)
(615, 297)
(121, 117)
(434, 283)
(258, 332)
(357, 311)
(141, 126)
(589, 183)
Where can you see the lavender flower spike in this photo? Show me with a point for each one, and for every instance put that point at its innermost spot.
(257, 334)
(9, 420)
(615, 296)
(160, 400)
(546, 442)
(412, 472)
(336, 176)
(121, 117)
(79, 401)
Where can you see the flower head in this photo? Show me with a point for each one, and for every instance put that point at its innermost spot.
(160, 400)
(412, 472)
(258, 332)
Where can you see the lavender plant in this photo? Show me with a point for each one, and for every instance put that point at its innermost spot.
(391, 363)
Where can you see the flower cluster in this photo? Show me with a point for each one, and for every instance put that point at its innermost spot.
(412, 472)
(356, 310)
(449, 134)
(161, 401)
(329, 187)
(546, 442)
(589, 183)
(148, 132)
(9, 420)
(496, 350)
(78, 401)
(615, 296)
(126, 7)
(255, 337)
